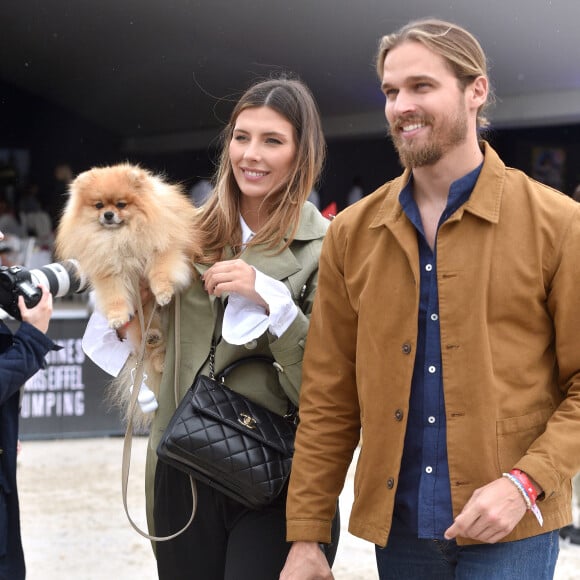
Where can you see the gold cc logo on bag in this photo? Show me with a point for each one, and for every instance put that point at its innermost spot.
(247, 421)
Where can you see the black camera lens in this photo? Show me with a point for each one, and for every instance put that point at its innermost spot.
(60, 278)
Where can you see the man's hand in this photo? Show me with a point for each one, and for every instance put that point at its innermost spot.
(306, 561)
(39, 315)
(491, 513)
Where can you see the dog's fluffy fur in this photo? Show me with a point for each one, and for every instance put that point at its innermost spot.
(125, 226)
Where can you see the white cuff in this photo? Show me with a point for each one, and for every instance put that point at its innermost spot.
(283, 311)
(102, 345)
(245, 320)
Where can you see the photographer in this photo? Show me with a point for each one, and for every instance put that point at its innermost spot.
(21, 356)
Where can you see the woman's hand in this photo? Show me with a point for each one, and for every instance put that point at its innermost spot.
(233, 276)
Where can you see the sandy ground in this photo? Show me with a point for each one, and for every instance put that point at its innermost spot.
(74, 525)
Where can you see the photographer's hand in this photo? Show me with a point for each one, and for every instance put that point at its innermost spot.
(39, 315)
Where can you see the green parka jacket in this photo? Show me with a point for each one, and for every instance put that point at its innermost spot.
(200, 314)
(508, 269)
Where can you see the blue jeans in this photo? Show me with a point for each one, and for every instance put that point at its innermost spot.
(408, 558)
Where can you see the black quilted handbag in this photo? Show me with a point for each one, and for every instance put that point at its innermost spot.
(225, 440)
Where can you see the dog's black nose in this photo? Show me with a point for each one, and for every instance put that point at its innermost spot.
(109, 215)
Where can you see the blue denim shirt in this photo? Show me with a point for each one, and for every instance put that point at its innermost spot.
(423, 500)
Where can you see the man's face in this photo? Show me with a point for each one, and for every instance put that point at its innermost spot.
(425, 107)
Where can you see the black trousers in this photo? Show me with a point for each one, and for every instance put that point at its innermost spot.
(11, 555)
(225, 541)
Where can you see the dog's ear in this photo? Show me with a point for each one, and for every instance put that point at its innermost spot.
(138, 177)
(82, 180)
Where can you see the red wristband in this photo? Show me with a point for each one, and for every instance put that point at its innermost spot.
(526, 482)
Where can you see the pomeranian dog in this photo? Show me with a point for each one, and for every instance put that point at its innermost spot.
(128, 229)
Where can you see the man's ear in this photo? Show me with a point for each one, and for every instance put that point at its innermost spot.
(477, 91)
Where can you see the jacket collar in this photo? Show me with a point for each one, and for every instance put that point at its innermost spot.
(281, 265)
(312, 225)
(484, 202)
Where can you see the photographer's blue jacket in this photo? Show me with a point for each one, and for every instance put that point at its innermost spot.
(21, 356)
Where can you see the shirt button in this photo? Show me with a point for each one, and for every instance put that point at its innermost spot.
(431, 420)
(390, 483)
(251, 345)
(406, 348)
(432, 369)
(429, 267)
(428, 469)
(399, 415)
(434, 317)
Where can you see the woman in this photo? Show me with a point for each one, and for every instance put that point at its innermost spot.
(263, 240)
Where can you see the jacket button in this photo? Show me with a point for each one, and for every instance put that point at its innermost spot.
(390, 483)
(251, 345)
(399, 415)
(406, 348)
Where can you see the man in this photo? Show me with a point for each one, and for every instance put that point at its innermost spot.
(572, 532)
(21, 355)
(445, 329)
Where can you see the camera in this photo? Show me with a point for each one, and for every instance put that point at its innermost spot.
(60, 278)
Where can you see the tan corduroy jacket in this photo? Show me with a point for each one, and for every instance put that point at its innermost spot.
(508, 267)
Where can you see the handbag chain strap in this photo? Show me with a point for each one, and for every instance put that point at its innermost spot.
(212, 360)
(291, 414)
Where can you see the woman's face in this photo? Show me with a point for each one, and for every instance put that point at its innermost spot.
(262, 153)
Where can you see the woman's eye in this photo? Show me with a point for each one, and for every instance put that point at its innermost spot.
(271, 140)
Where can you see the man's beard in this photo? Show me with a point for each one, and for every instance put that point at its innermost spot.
(451, 133)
